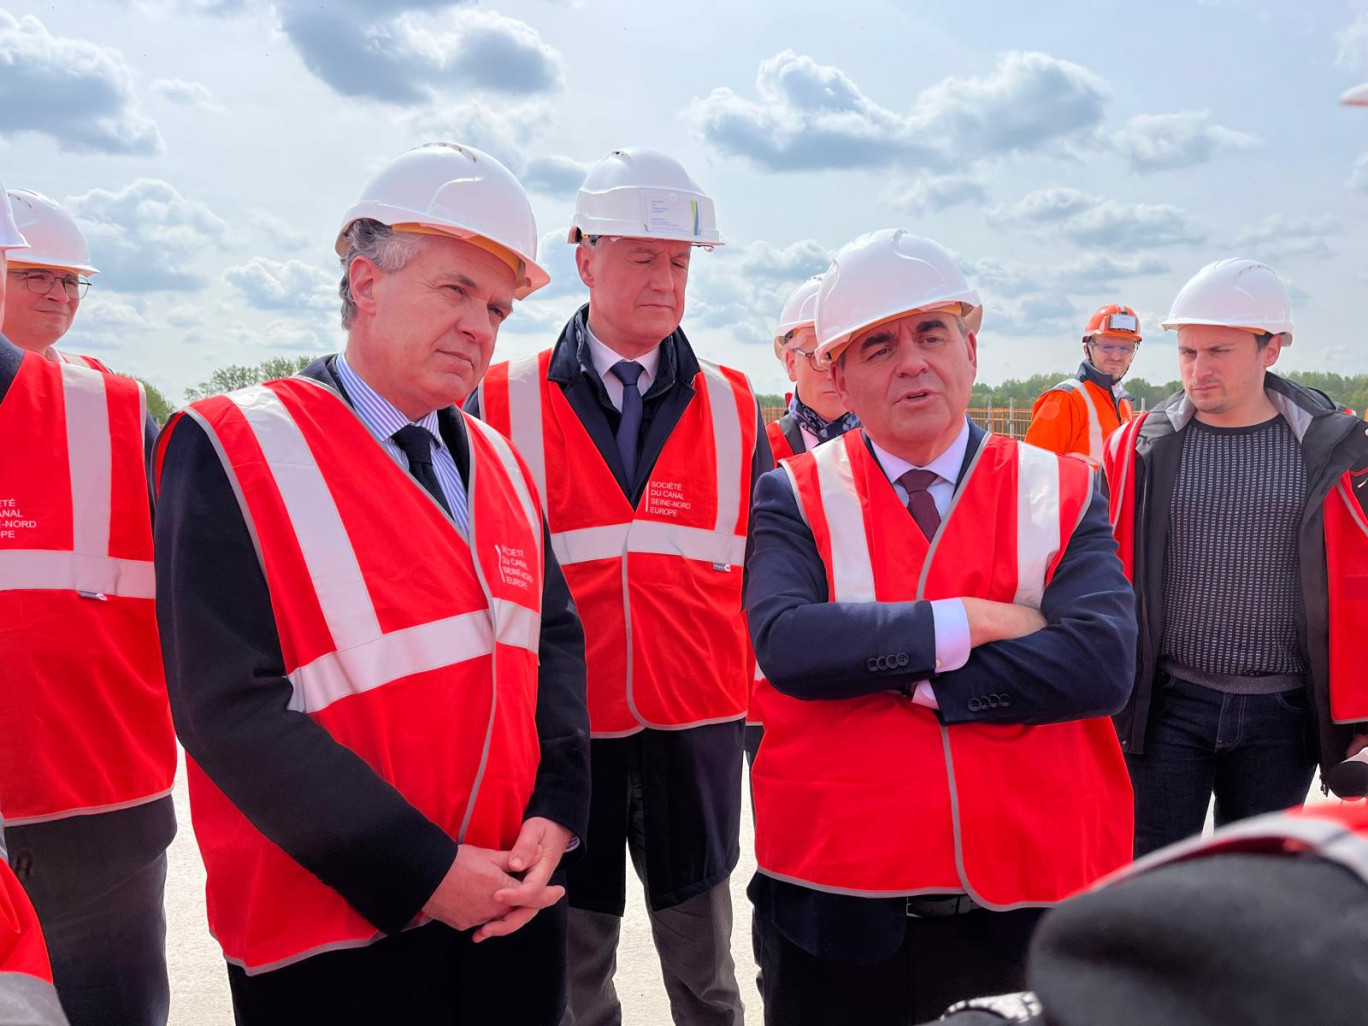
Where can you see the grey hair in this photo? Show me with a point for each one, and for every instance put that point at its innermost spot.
(381, 245)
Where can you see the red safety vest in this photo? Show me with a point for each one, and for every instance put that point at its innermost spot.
(82, 361)
(782, 450)
(86, 726)
(1338, 833)
(24, 968)
(1096, 413)
(779, 443)
(1346, 556)
(405, 648)
(874, 796)
(658, 586)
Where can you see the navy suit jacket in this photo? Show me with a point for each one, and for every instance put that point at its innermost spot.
(309, 794)
(1080, 665)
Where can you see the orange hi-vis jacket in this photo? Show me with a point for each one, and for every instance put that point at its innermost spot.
(25, 973)
(1077, 416)
(1346, 556)
(85, 725)
(659, 585)
(1011, 815)
(409, 644)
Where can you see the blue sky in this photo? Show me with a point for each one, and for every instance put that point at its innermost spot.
(1070, 154)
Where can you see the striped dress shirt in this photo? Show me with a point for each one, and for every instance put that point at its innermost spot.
(383, 419)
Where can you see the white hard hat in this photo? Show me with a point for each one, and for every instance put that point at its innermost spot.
(883, 275)
(53, 238)
(449, 189)
(1356, 97)
(1234, 294)
(800, 310)
(10, 235)
(643, 194)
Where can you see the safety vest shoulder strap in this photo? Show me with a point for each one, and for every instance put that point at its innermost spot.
(1119, 463)
(511, 402)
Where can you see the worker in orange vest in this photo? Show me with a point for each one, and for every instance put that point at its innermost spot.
(945, 628)
(27, 996)
(1261, 924)
(87, 753)
(48, 277)
(1078, 414)
(375, 665)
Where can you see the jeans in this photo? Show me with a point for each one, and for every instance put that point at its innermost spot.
(1252, 751)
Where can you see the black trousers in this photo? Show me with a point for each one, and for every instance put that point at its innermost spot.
(941, 961)
(97, 884)
(429, 975)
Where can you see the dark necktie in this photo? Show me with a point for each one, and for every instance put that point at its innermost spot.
(416, 443)
(629, 427)
(919, 501)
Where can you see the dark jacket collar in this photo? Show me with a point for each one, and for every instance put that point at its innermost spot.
(11, 356)
(1087, 372)
(570, 356)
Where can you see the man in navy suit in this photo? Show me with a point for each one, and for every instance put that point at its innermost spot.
(946, 627)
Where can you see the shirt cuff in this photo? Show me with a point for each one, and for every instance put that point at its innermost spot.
(923, 695)
(952, 634)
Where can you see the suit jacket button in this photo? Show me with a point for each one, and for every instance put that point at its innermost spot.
(1004, 701)
(902, 659)
(992, 701)
(871, 664)
(975, 705)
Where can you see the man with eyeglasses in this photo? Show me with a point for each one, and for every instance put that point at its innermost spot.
(1079, 413)
(87, 753)
(47, 279)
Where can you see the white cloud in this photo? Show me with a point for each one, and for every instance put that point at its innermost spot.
(1280, 237)
(1161, 142)
(506, 132)
(808, 115)
(1094, 221)
(1358, 181)
(402, 52)
(283, 234)
(268, 284)
(77, 92)
(147, 236)
(187, 94)
(1084, 275)
(743, 288)
(933, 193)
(1351, 44)
(555, 176)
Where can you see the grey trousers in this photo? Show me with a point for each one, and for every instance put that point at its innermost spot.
(693, 940)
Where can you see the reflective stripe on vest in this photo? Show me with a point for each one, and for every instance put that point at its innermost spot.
(83, 699)
(1336, 833)
(409, 644)
(1097, 433)
(25, 974)
(87, 567)
(688, 529)
(1012, 815)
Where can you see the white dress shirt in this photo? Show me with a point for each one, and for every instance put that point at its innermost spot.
(604, 359)
(950, 621)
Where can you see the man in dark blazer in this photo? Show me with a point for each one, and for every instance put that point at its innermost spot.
(875, 695)
(422, 309)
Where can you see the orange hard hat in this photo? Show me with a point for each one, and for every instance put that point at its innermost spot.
(1115, 320)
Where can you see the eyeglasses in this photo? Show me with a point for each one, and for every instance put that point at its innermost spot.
(40, 282)
(821, 364)
(1115, 348)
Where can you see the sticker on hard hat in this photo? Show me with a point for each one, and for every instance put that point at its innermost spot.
(668, 212)
(1123, 322)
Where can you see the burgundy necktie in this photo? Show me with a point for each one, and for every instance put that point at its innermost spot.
(919, 501)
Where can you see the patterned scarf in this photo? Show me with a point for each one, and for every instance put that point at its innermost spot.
(824, 430)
